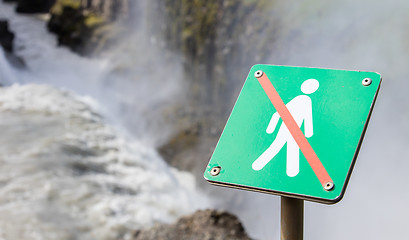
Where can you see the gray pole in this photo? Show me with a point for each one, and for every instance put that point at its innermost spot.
(292, 218)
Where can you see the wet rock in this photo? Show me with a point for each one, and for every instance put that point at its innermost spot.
(6, 36)
(217, 41)
(109, 9)
(70, 28)
(182, 149)
(81, 28)
(202, 225)
(34, 6)
(190, 148)
(6, 42)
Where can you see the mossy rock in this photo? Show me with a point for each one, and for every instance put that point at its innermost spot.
(77, 27)
(59, 5)
(214, 36)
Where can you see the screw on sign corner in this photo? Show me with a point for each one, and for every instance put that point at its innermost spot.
(258, 73)
(366, 82)
(329, 186)
(215, 171)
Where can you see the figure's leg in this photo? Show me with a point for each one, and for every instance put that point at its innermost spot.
(270, 152)
(293, 158)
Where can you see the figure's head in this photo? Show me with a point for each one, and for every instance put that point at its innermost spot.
(309, 86)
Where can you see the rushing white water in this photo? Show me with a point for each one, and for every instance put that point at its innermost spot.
(136, 80)
(66, 175)
(65, 172)
(7, 73)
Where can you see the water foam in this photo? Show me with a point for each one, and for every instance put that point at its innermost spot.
(67, 175)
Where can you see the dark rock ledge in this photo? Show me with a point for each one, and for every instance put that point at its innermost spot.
(6, 42)
(32, 6)
(6, 36)
(202, 225)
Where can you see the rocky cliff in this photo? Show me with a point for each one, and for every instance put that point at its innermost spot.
(110, 9)
(81, 25)
(7, 43)
(6, 36)
(85, 26)
(202, 225)
(219, 43)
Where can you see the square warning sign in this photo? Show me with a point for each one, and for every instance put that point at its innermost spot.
(295, 131)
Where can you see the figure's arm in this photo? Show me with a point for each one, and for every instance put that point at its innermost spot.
(273, 123)
(308, 126)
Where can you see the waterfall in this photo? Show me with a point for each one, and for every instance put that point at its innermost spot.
(7, 74)
(66, 174)
(75, 163)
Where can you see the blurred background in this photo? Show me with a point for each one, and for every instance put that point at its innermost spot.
(110, 110)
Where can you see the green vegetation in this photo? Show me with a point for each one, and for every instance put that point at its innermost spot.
(59, 5)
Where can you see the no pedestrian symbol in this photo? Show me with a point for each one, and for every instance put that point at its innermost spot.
(295, 131)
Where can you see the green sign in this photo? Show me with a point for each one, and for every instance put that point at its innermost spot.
(295, 131)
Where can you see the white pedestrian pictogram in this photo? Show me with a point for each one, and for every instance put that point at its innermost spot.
(300, 108)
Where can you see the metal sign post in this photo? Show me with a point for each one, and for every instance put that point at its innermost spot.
(292, 218)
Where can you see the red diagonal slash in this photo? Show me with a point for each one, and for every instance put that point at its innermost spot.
(296, 132)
